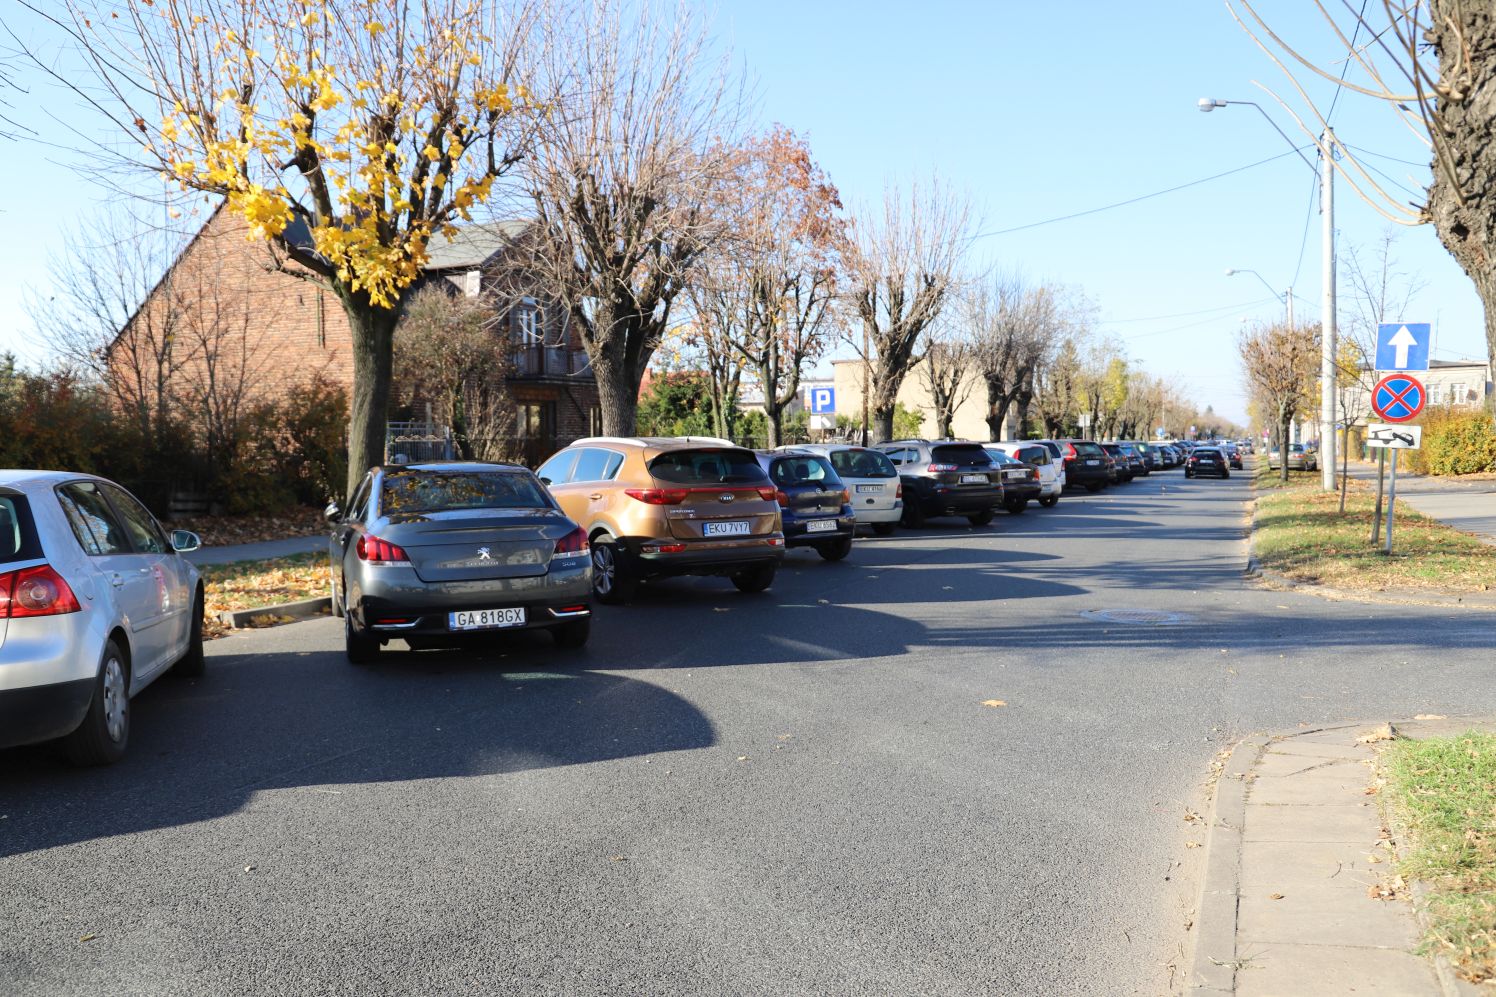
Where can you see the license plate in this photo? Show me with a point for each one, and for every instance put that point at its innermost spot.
(736, 528)
(486, 619)
(1093, 462)
(869, 489)
(820, 526)
(974, 479)
(1011, 475)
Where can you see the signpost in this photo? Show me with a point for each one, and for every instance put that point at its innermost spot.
(1394, 437)
(1403, 346)
(1398, 398)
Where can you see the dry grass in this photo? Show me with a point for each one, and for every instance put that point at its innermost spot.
(250, 584)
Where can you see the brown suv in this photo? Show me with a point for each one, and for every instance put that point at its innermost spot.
(654, 507)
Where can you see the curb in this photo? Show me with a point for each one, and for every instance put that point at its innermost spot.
(306, 609)
(1213, 962)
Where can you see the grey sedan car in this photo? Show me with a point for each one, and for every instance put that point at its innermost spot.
(438, 553)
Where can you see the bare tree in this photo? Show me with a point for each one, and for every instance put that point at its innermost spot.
(1013, 326)
(1281, 365)
(1431, 62)
(620, 178)
(902, 264)
(946, 371)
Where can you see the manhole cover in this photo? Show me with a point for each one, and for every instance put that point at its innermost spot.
(1138, 617)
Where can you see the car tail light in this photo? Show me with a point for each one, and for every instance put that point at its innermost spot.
(658, 496)
(776, 541)
(36, 591)
(377, 551)
(574, 544)
(898, 490)
(768, 493)
(939, 468)
(782, 499)
(1034, 473)
(664, 548)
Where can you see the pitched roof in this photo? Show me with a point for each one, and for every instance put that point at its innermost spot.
(472, 245)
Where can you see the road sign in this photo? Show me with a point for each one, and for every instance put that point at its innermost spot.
(1403, 346)
(1398, 397)
(822, 400)
(1394, 437)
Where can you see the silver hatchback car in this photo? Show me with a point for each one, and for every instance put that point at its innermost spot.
(96, 602)
(434, 553)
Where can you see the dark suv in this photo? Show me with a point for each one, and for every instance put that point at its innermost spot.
(946, 478)
(1085, 463)
(814, 506)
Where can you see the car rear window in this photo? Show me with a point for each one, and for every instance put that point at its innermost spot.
(1085, 448)
(1035, 455)
(862, 464)
(1001, 457)
(960, 453)
(707, 467)
(406, 492)
(18, 539)
(800, 470)
(1053, 448)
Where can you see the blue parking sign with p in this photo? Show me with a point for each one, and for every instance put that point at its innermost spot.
(822, 400)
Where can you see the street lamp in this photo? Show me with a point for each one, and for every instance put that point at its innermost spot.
(1327, 281)
(1286, 297)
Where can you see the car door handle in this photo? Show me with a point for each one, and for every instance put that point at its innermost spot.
(116, 580)
(595, 496)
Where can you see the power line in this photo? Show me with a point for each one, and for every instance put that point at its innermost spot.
(1340, 85)
(1383, 155)
(1308, 221)
(1135, 200)
(1203, 311)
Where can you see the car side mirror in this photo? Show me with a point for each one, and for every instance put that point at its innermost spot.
(185, 541)
(545, 481)
(332, 513)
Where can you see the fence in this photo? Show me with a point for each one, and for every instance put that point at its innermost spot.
(418, 441)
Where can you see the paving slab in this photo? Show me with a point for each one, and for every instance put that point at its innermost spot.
(1322, 915)
(1266, 865)
(1355, 823)
(1298, 970)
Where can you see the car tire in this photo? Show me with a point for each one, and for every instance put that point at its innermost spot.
(573, 635)
(835, 550)
(104, 734)
(337, 600)
(913, 517)
(1225, 474)
(1015, 506)
(193, 662)
(883, 529)
(755, 579)
(613, 579)
(1189, 474)
(1094, 487)
(980, 518)
(361, 648)
(1049, 501)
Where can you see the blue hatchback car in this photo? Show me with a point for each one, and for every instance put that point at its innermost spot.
(813, 502)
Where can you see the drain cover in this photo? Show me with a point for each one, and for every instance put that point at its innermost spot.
(1137, 617)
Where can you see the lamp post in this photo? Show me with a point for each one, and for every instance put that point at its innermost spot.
(1327, 339)
(1286, 297)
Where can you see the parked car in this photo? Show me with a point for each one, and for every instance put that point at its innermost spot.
(1299, 458)
(1117, 468)
(1206, 462)
(815, 507)
(946, 478)
(1234, 457)
(1020, 479)
(1051, 469)
(437, 552)
(96, 603)
(1134, 457)
(655, 507)
(1084, 461)
(877, 492)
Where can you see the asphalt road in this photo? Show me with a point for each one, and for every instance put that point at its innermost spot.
(799, 792)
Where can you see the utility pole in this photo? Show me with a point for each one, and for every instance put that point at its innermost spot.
(867, 369)
(1327, 337)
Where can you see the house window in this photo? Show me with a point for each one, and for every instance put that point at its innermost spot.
(535, 420)
(526, 323)
(1457, 394)
(1434, 390)
(472, 283)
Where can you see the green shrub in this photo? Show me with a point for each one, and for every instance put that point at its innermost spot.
(1455, 441)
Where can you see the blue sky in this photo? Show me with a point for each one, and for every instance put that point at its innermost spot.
(1035, 113)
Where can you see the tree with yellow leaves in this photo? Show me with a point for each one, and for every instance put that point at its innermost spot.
(346, 133)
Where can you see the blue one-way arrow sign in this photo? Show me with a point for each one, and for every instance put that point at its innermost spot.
(1403, 346)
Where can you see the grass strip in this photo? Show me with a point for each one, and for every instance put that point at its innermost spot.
(1299, 532)
(1443, 793)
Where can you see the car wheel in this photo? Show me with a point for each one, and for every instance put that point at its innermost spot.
(1189, 474)
(1015, 506)
(361, 648)
(613, 581)
(193, 662)
(574, 634)
(1049, 501)
(1094, 487)
(835, 550)
(755, 579)
(980, 518)
(913, 517)
(105, 731)
(337, 600)
(1225, 474)
(883, 529)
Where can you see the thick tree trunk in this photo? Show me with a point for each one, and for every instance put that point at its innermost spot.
(774, 416)
(997, 409)
(373, 358)
(882, 422)
(1285, 429)
(616, 396)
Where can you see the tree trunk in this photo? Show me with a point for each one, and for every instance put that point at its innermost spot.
(1285, 429)
(373, 359)
(774, 417)
(882, 422)
(618, 402)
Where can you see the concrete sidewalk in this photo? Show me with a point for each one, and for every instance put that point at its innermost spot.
(257, 551)
(1469, 506)
(1296, 848)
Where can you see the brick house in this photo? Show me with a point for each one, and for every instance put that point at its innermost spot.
(243, 322)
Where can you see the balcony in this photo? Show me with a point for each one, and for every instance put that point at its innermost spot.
(536, 362)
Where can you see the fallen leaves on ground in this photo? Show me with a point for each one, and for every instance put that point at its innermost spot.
(271, 582)
(218, 531)
(1386, 732)
(994, 702)
(1190, 817)
(1430, 716)
(1275, 896)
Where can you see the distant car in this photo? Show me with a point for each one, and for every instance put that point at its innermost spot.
(1020, 479)
(1118, 469)
(946, 478)
(815, 507)
(1206, 462)
(432, 553)
(1135, 460)
(1041, 457)
(1085, 463)
(96, 603)
(1299, 459)
(1234, 456)
(877, 492)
